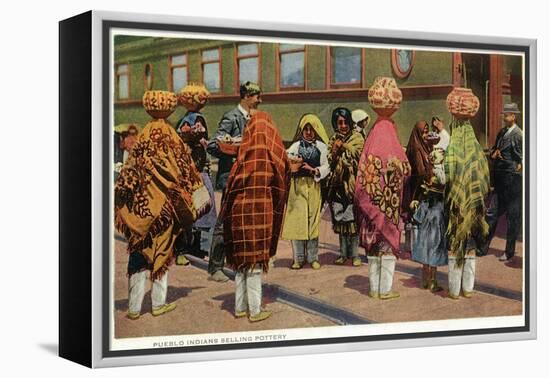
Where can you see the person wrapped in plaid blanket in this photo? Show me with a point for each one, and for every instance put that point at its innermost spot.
(467, 173)
(252, 211)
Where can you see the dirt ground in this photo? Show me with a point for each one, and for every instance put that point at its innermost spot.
(207, 307)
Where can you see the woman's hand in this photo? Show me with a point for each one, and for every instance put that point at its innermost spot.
(496, 155)
(337, 146)
(309, 169)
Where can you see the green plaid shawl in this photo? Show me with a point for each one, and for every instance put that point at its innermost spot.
(467, 185)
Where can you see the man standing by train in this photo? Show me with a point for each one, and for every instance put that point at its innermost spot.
(231, 125)
(507, 162)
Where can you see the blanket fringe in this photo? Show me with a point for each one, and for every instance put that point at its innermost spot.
(247, 267)
(163, 269)
(463, 227)
(348, 228)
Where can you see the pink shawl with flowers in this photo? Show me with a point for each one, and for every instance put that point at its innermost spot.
(379, 186)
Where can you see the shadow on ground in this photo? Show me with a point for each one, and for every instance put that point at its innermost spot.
(228, 300)
(358, 282)
(174, 293)
(515, 262)
(50, 348)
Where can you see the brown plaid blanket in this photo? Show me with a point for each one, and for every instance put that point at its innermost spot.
(256, 196)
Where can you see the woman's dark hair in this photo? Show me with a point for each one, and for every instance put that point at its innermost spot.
(435, 118)
(341, 112)
(203, 121)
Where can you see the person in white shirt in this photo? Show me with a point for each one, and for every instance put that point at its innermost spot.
(440, 147)
(444, 138)
(361, 121)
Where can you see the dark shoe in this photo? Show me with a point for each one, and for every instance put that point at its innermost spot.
(425, 283)
(434, 287)
(481, 252)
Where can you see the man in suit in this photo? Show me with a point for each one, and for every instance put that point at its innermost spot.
(231, 124)
(507, 155)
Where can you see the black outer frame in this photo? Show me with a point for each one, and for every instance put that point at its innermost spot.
(75, 189)
(76, 294)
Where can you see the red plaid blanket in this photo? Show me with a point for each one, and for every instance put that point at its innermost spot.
(256, 196)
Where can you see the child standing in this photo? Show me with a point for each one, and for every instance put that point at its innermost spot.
(309, 165)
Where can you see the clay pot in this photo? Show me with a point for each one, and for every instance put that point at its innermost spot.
(385, 112)
(462, 103)
(159, 114)
(159, 104)
(384, 96)
(190, 104)
(193, 97)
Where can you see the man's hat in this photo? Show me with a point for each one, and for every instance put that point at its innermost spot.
(358, 115)
(511, 108)
(249, 88)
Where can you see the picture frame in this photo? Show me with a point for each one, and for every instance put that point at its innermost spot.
(89, 93)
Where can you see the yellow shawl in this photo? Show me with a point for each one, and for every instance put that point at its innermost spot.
(317, 125)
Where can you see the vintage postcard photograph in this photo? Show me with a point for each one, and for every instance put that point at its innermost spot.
(282, 190)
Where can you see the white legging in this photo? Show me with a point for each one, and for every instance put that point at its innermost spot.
(248, 291)
(136, 291)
